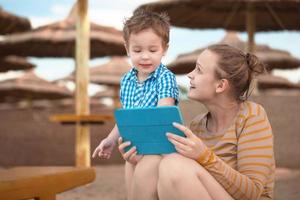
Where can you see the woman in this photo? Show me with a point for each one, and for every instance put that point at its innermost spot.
(227, 153)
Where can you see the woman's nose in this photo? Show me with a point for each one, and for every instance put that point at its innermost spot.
(190, 75)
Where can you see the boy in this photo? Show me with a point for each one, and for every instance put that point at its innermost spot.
(149, 83)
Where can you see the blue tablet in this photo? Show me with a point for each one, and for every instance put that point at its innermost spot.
(146, 128)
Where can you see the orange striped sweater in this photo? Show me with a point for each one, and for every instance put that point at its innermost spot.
(242, 158)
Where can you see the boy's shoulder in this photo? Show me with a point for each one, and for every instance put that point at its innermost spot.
(128, 75)
(164, 72)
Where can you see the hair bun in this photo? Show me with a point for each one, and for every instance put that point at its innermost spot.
(255, 66)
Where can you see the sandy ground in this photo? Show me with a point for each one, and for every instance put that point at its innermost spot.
(109, 185)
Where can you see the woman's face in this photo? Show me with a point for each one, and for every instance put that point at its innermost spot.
(203, 83)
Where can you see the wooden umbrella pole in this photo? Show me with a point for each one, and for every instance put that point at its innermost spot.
(82, 150)
(250, 23)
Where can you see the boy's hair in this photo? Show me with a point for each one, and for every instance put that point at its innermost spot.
(143, 19)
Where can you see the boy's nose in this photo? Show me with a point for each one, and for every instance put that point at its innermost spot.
(145, 56)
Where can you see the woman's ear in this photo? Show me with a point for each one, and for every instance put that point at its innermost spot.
(222, 85)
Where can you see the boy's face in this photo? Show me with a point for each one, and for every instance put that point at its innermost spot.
(145, 50)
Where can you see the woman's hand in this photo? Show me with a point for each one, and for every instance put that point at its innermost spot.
(191, 146)
(131, 155)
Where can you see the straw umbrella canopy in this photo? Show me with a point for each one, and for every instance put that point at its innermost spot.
(269, 81)
(10, 23)
(58, 40)
(273, 58)
(30, 87)
(104, 94)
(110, 73)
(239, 15)
(14, 63)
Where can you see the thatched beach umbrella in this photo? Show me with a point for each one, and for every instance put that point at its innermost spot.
(30, 87)
(109, 74)
(105, 94)
(269, 81)
(238, 15)
(58, 40)
(273, 58)
(14, 63)
(10, 23)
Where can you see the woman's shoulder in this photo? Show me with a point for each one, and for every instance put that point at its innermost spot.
(251, 109)
(195, 124)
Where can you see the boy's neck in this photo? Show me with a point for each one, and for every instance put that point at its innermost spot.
(141, 77)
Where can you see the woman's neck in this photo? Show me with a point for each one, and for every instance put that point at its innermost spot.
(221, 115)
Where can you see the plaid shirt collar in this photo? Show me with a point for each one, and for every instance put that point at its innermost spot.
(133, 73)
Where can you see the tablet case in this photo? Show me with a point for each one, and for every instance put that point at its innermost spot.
(146, 128)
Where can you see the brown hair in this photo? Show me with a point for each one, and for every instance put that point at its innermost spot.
(238, 67)
(143, 19)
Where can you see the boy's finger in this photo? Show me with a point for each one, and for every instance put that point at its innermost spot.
(95, 153)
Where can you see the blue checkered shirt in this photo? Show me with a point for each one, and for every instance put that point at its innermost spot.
(160, 84)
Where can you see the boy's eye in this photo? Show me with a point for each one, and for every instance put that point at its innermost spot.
(137, 51)
(153, 50)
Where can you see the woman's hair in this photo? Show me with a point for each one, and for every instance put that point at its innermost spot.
(143, 19)
(238, 67)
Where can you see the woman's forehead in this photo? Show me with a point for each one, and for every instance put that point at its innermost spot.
(207, 60)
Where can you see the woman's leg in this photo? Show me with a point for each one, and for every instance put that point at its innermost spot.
(184, 178)
(144, 179)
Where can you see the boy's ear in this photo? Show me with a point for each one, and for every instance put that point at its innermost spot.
(166, 49)
(222, 85)
(126, 47)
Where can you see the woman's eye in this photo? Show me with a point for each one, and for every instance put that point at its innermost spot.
(198, 69)
(136, 51)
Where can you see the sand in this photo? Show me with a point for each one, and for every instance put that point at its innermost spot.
(109, 185)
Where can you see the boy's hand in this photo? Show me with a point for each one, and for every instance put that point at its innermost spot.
(131, 155)
(104, 149)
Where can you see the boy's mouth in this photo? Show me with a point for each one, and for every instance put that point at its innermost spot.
(145, 65)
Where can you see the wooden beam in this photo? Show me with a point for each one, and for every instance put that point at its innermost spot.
(83, 119)
(250, 26)
(82, 148)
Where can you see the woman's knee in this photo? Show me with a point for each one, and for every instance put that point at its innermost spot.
(173, 168)
(146, 169)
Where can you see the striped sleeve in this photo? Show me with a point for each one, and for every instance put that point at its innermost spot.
(255, 158)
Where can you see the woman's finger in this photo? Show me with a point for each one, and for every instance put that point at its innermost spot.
(132, 157)
(184, 129)
(178, 144)
(122, 146)
(127, 155)
(120, 140)
(178, 138)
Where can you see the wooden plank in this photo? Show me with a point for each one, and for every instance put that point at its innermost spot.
(42, 182)
(72, 118)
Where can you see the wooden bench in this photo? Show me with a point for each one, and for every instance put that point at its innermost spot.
(42, 183)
